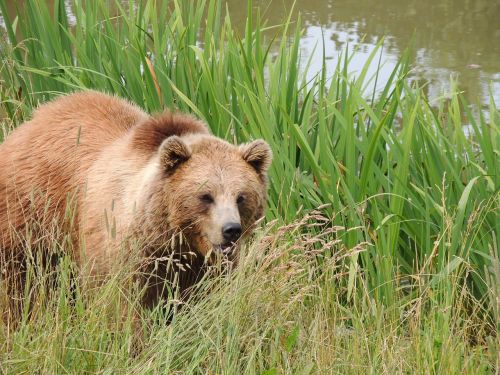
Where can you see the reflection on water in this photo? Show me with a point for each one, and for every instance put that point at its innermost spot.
(452, 38)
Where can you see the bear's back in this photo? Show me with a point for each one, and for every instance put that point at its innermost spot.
(45, 159)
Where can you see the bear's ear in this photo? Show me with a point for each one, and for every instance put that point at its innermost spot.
(173, 152)
(258, 154)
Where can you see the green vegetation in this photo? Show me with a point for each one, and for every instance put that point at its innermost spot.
(398, 272)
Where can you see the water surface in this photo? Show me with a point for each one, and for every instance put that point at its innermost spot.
(453, 39)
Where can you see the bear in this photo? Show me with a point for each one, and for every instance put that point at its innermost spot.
(121, 183)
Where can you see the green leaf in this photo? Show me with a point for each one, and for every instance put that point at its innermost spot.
(291, 339)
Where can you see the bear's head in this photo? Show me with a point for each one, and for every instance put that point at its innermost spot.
(212, 192)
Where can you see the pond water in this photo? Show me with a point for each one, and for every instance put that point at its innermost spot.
(457, 39)
(453, 39)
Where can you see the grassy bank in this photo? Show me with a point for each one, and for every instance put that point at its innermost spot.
(403, 274)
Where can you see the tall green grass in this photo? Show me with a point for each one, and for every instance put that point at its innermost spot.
(280, 312)
(414, 186)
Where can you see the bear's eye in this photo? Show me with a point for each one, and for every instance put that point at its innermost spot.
(206, 198)
(240, 199)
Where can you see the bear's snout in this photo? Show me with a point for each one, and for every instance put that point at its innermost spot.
(231, 232)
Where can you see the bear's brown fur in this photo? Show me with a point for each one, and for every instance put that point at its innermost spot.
(109, 174)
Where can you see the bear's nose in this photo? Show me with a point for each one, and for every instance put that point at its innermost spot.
(231, 231)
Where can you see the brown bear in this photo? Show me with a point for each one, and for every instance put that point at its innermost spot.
(109, 174)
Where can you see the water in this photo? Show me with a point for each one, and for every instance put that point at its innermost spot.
(457, 39)
(453, 39)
